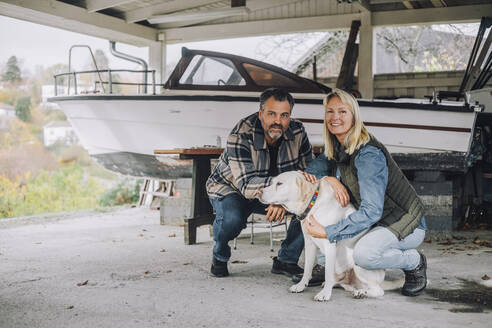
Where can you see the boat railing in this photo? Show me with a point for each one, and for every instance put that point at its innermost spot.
(110, 82)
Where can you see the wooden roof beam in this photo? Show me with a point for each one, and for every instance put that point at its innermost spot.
(96, 5)
(408, 4)
(439, 3)
(443, 15)
(171, 6)
(258, 28)
(72, 18)
(252, 5)
(362, 5)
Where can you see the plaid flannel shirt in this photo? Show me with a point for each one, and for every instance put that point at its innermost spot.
(243, 166)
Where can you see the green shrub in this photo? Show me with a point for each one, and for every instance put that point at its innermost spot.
(126, 191)
(66, 189)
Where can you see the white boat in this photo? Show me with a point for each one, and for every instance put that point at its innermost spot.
(208, 92)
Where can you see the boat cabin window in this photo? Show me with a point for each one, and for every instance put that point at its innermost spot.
(267, 78)
(205, 70)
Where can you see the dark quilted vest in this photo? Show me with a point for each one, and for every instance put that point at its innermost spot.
(402, 210)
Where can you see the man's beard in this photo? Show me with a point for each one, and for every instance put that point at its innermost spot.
(275, 136)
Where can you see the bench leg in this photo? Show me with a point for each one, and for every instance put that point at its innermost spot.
(189, 232)
(191, 224)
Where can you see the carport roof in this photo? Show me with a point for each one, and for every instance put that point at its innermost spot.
(142, 22)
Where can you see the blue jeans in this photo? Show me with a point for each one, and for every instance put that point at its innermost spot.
(381, 249)
(231, 214)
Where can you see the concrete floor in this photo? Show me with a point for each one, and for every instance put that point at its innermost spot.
(140, 274)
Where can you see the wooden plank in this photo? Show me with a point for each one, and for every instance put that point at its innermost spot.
(190, 151)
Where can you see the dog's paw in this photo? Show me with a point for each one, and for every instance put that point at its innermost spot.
(297, 288)
(359, 293)
(323, 296)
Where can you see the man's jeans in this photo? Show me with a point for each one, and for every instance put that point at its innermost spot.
(231, 214)
(380, 249)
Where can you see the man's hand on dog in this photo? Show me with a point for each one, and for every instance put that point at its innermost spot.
(341, 194)
(314, 228)
(274, 213)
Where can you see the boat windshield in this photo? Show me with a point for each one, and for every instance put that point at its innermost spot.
(268, 78)
(207, 70)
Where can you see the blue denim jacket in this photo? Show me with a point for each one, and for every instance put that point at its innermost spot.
(372, 173)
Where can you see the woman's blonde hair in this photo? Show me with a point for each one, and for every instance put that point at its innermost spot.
(357, 135)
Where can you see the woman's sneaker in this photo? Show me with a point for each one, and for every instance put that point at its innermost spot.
(317, 278)
(416, 279)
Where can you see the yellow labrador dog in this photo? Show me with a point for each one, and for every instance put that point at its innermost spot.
(298, 196)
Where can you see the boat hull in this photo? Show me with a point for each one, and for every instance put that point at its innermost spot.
(122, 132)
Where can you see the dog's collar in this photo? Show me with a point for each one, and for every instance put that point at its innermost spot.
(310, 205)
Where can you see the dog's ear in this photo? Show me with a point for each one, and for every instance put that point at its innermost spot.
(304, 192)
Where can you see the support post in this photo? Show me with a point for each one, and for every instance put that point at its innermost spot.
(365, 76)
(157, 59)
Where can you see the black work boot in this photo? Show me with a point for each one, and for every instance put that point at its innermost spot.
(289, 269)
(416, 279)
(317, 278)
(219, 268)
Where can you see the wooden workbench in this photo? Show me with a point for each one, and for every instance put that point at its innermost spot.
(201, 210)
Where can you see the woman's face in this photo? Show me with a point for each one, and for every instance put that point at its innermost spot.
(339, 118)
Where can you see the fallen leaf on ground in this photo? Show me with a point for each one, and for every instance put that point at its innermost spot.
(167, 271)
(82, 283)
(472, 247)
(187, 263)
(486, 243)
(485, 277)
(239, 262)
(147, 272)
(172, 235)
(69, 307)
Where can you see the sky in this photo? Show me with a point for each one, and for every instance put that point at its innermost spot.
(35, 44)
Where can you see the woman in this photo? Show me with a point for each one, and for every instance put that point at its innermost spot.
(367, 175)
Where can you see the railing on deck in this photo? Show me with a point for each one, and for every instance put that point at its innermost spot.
(110, 83)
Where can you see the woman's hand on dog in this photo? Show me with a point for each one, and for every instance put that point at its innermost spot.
(314, 228)
(274, 213)
(341, 194)
(309, 177)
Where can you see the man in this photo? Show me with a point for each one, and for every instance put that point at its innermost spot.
(259, 147)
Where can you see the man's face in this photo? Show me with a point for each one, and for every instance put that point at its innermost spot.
(275, 119)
